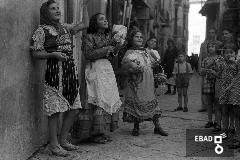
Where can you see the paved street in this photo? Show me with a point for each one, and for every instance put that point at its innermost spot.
(148, 146)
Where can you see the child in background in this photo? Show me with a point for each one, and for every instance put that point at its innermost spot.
(208, 82)
(182, 72)
(233, 92)
(227, 70)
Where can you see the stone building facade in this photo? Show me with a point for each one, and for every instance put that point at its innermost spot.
(170, 21)
(222, 14)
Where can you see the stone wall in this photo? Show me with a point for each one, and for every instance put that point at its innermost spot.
(23, 128)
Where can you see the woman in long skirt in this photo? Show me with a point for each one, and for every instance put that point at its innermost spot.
(102, 92)
(140, 102)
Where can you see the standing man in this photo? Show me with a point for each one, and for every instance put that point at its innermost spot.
(211, 37)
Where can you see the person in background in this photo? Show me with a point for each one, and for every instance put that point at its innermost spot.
(182, 73)
(150, 46)
(233, 97)
(227, 70)
(211, 37)
(194, 61)
(52, 42)
(208, 70)
(169, 59)
(140, 102)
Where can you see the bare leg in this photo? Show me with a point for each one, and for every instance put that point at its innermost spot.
(231, 117)
(67, 123)
(185, 96)
(218, 112)
(54, 146)
(53, 129)
(237, 121)
(180, 93)
(209, 105)
(225, 117)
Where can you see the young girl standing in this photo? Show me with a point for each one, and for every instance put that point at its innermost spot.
(227, 70)
(208, 81)
(233, 92)
(140, 102)
(103, 95)
(182, 72)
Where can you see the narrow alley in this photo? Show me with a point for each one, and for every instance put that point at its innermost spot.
(149, 146)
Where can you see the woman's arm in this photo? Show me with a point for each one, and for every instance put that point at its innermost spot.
(37, 48)
(77, 28)
(74, 29)
(93, 54)
(42, 55)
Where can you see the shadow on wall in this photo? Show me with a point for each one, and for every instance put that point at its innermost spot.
(23, 128)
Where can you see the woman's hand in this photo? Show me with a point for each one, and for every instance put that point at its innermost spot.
(155, 64)
(109, 50)
(78, 27)
(232, 59)
(60, 56)
(202, 71)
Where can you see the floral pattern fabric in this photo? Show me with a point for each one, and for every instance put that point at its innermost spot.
(61, 79)
(140, 102)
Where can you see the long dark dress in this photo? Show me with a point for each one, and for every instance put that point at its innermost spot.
(61, 81)
(169, 61)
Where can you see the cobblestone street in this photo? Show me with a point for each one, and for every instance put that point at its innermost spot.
(149, 146)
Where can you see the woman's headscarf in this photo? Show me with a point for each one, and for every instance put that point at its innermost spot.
(45, 18)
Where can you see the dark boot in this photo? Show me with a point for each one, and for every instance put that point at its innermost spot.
(174, 90)
(169, 89)
(160, 131)
(135, 131)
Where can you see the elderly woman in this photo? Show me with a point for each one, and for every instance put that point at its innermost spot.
(52, 42)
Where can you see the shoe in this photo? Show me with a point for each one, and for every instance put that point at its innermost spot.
(209, 125)
(168, 92)
(202, 110)
(185, 109)
(178, 109)
(108, 138)
(232, 131)
(57, 151)
(69, 147)
(217, 128)
(160, 131)
(135, 132)
(99, 139)
(234, 146)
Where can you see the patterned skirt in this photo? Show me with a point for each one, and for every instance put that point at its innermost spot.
(61, 89)
(231, 95)
(139, 112)
(208, 85)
